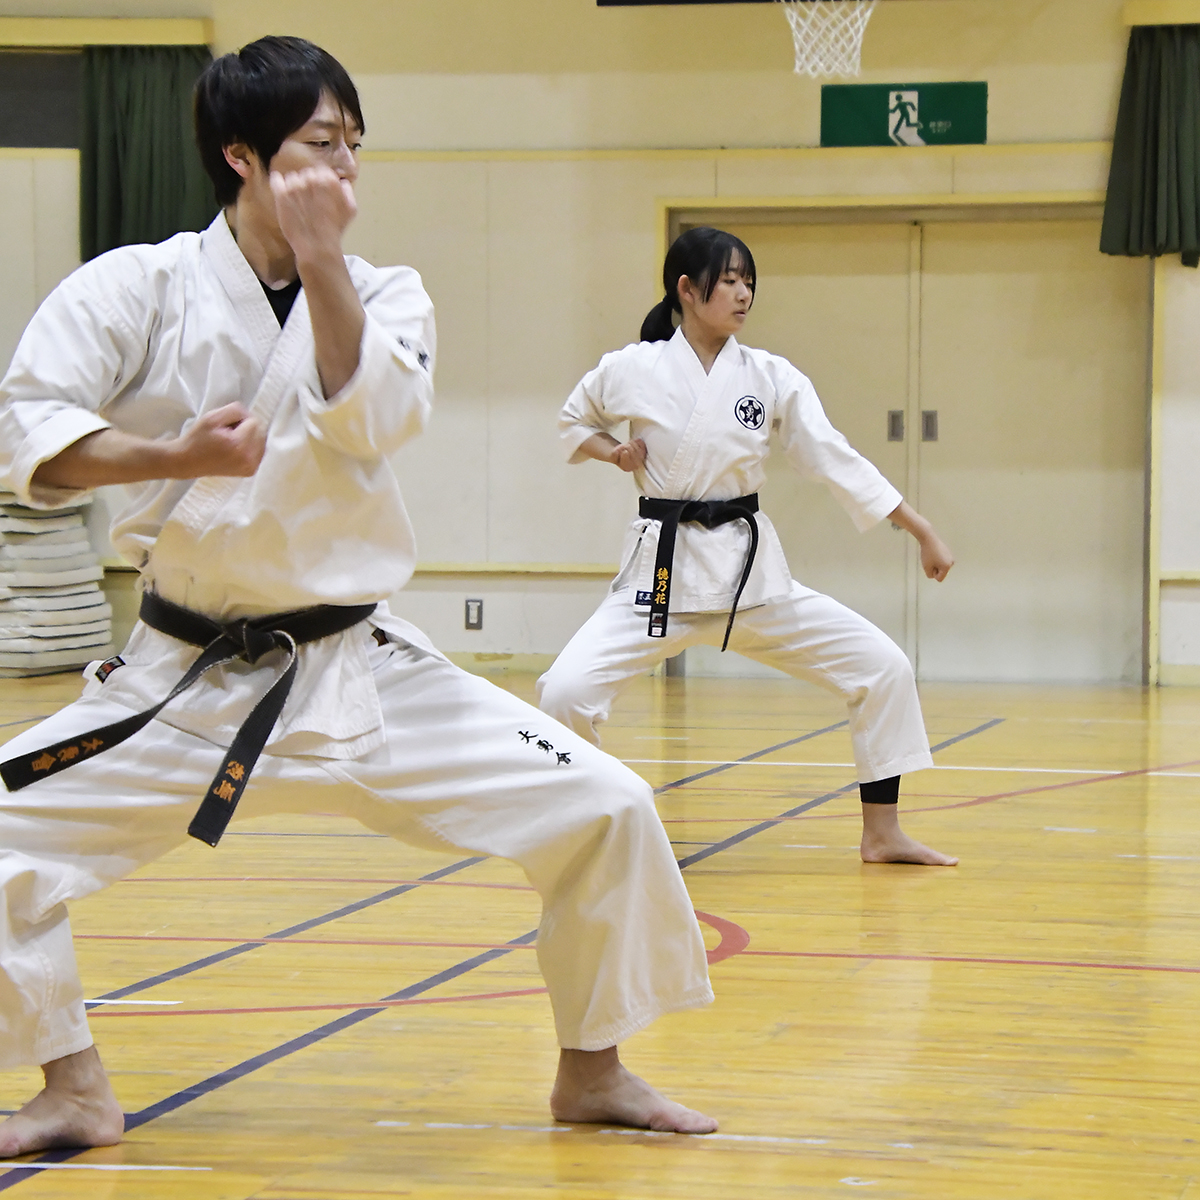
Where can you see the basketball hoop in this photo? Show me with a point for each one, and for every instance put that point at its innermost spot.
(828, 34)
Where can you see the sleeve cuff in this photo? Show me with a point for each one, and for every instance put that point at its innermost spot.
(574, 437)
(869, 515)
(48, 439)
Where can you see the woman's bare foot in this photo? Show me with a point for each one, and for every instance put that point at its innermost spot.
(883, 841)
(75, 1108)
(594, 1088)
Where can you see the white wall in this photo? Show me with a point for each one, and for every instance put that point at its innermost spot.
(1178, 482)
(39, 232)
(538, 264)
(519, 74)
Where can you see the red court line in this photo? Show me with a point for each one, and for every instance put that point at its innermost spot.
(1030, 791)
(992, 962)
(1055, 787)
(734, 940)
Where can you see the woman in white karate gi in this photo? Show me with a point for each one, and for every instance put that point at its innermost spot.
(700, 408)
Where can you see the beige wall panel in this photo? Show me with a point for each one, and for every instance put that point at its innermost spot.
(834, 300)
(653, 109)
(1034, 352)
(1179, 632)
(1057, 169)
(56, 221)
(565, 36)
(601, 110)
(433, 216)
(573, 271)
(1053, 102)
(554, 73)
(110, 8)
(836, 173)
(18, 296)
(521, 615)
(1179, 483)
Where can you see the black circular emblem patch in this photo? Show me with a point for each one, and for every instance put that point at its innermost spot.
(750, 412)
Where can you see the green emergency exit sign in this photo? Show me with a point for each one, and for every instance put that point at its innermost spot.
(904, 114)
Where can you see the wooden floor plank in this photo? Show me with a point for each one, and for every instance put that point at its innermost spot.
(1022, 1026)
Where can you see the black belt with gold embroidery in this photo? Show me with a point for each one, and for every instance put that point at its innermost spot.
(710, 514)
(222, 642)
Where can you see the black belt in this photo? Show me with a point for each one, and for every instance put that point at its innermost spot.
(710, 514)
(222, 642)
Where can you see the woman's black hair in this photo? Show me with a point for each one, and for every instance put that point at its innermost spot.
(703, 255)
(260, 96)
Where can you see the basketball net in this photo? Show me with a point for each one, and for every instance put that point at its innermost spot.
(828, 34)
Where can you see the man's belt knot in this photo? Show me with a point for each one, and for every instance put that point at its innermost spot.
(246, 640)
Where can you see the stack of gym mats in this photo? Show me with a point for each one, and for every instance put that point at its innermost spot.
(53, 616)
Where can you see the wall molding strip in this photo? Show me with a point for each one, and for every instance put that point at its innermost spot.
(66, 32)
(1162, 12)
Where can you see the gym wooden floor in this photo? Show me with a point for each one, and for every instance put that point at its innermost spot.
(1021, 1026)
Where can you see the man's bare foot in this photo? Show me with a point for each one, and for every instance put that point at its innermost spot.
(75, 1108)
(883, 841)
(594, 1088)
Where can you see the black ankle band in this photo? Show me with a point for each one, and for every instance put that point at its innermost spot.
(880, 791)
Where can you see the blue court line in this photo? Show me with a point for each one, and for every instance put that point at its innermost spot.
(291, 931)
(196, 1090)
(666, 787)
(241, 1070)
(24, 721)
(762, 826)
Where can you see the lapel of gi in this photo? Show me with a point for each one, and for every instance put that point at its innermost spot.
(707, 390)
(282, 353)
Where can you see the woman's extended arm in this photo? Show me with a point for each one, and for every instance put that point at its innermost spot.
(936, 558)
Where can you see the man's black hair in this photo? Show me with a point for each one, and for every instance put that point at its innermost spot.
(260, 96)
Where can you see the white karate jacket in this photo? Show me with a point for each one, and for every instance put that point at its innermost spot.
(146, 338)
(707, 439)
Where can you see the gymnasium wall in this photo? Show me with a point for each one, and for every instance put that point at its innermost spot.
(565, 74)
(516, 154)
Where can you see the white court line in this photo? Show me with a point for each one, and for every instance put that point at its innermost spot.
(708, 1137)
(725, 762)
(1067, 829)
(36, 1166)
(1164, 857)
(133, 1002)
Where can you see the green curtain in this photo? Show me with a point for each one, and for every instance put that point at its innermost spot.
(1153, 204)
(140, 176)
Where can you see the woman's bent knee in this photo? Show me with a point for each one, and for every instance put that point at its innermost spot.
(570, 702)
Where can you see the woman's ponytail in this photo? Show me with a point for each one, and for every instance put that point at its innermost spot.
(703, 255)
(658, 326)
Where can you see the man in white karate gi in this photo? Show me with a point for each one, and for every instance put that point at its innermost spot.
(249, 384)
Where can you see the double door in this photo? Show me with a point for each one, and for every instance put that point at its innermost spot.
(1016, 357)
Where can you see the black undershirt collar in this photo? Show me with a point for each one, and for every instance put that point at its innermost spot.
(282, 299)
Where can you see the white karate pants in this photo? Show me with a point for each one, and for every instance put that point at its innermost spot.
(808, 635)
(618, 946)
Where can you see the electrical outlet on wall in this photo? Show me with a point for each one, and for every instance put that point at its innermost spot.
(474, 615)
